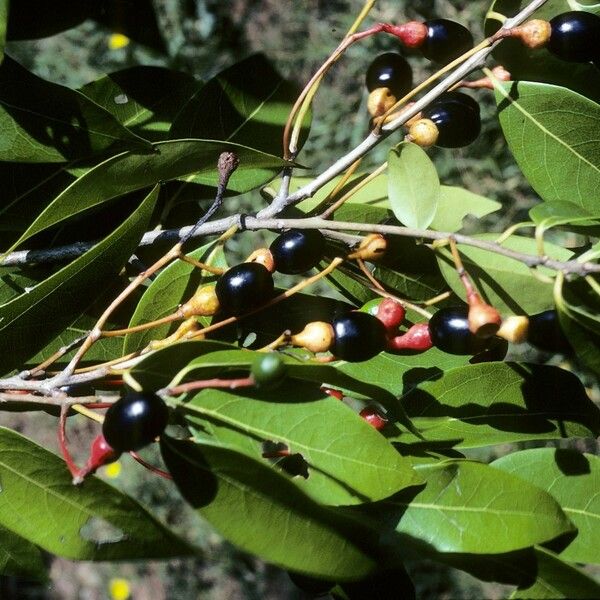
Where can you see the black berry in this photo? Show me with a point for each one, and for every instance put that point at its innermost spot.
(134, 421)
(268, 370)
(545, 333)
(457, 118)
(358, 336)
(297, 250)
(575, 36)
(449, 331)
(244, 287)
(445, 41)
(390, 70)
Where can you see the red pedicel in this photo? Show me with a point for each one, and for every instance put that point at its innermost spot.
(416, 338)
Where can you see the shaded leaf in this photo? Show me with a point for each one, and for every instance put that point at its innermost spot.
(45, 122)
(507, 284)
(262, 512)
(247, 103)
(554, 135)
(348, 461)
(173, 286)
(555, 578)
(129, 172)
(29, 321)
(90, 522)
(20, 557)
(469, 507)
(456, 203)
(573, 480)
(498, 403)
(413, 185)
(143, 98)
(554, 214)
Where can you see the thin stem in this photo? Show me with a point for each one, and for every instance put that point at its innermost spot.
(191, 386)
(151, 468)
(63, 442)
(201, 265)
(368, 274)
(90, 414)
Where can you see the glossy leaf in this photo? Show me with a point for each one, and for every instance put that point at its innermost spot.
(90, 522)
(248, 104)
(128, 172)
(507, 284)
(143, 98)
(348, 461)
(20, 557)
(497, 403)
(413, 185)
(262, 512)
(538, 64)
(455, 204)
(31, 320)
(554, 135)
(555, 579)
(45, 122)
(173, 286)
(573, 480)
(469, 507)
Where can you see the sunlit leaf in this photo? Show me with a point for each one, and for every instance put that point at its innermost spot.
(554, 134)
(471, 507)
(90, 522)
(573, 480)
(413, 185)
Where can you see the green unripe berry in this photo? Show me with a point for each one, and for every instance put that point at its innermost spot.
(268, 370)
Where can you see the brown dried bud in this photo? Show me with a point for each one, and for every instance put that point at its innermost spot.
(263, 257)
(514, 329)
(424, 133)
(371, 248)
(203, 303)
(317, 336)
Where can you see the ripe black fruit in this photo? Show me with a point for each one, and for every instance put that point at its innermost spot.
(297, 250)
(390, 70)
(449, 331)
(575, 36)
(244, 287)
(358, 336)
(445, 41)
(545, 333)
(457, 118)
(134, 421)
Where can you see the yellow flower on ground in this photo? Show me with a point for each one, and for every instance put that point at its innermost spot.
(117, 41)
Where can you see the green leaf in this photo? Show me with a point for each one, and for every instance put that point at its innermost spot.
(554, 135)
(173, 286)
(348, 461)
(31, 320)
(128, 172)
(20, 557)
(45, 122)
(413, 185)
(143, 98)
(3, 19)
(455, 204)
(573, 480)
(498, 403)
(539, 64)
(262, 512)
(507, 284)
(91, 522)
(469, 507)
(248, 104)
(554, 214)
(555, 578)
